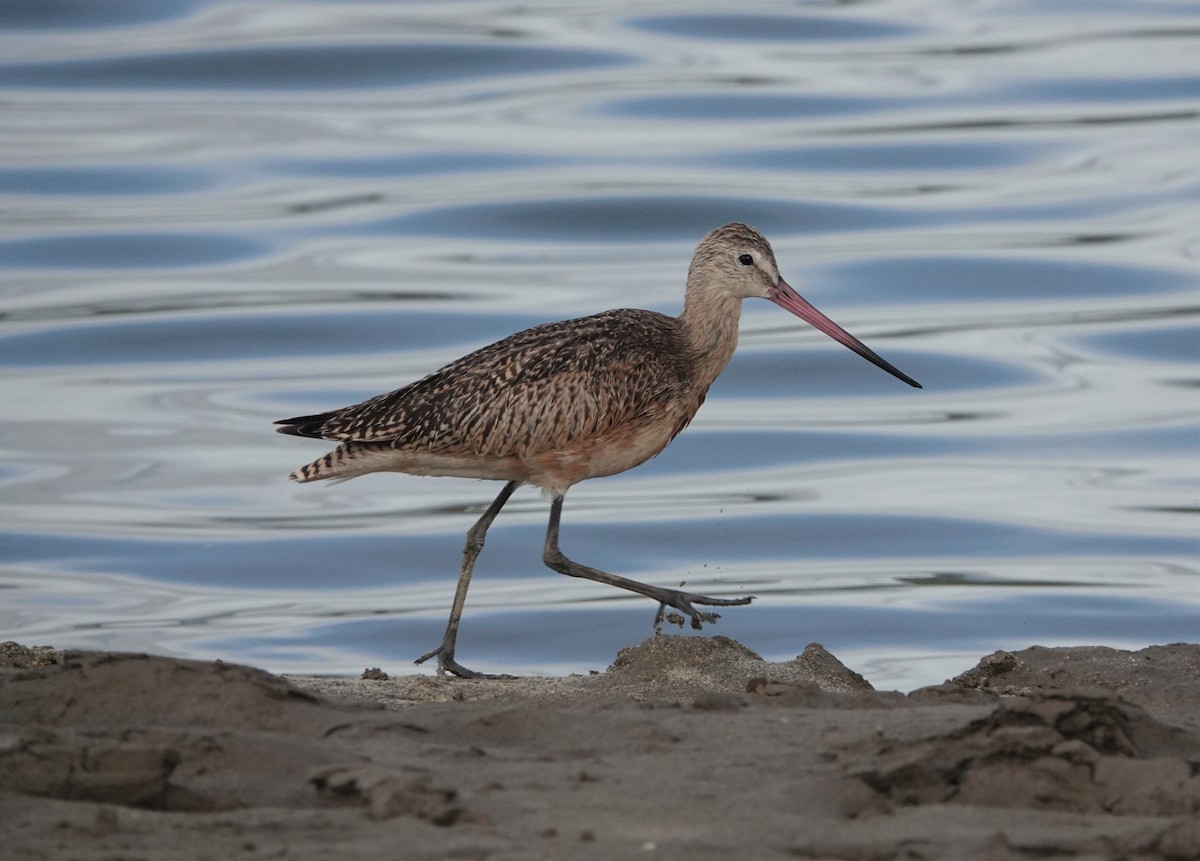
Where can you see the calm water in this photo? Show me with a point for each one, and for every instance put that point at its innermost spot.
(219, 214)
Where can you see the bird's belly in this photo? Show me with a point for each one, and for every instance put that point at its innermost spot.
(554, 469)
(459, 465)
(621, 449)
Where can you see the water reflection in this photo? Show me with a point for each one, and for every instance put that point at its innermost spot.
(771, 28)
(85, 15)
(128, 251)
(715, 106)
(305, 67)
(109, 179)
(889, 157)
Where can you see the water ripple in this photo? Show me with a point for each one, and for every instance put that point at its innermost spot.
(305, 68)
(127, 250)
(771, 28)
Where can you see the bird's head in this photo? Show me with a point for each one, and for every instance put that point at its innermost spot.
(736, 262)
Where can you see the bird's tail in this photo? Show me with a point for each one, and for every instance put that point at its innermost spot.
(346, 461)
(308, 426)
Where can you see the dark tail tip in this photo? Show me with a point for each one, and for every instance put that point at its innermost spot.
(306, 426)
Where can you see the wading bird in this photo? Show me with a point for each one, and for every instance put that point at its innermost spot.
(562, 402)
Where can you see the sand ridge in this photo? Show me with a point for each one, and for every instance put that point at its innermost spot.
(687, 747)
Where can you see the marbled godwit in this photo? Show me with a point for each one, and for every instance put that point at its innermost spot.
(561, 402)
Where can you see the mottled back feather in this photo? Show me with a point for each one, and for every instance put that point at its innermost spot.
(537, 390)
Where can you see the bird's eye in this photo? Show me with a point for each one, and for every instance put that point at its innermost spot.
(746, 260)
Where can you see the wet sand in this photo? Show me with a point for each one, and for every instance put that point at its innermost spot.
(687, 747)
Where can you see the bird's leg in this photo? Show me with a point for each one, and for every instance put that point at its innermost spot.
(681, 601)
(475, 538)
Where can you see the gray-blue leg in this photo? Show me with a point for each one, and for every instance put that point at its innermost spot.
(475, 539)
(681, 601)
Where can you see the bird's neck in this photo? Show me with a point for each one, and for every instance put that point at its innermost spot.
(710, 324)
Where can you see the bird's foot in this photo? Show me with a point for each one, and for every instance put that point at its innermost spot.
(683, 601)
(447, 664)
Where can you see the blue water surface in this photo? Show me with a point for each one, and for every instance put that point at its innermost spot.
(213, 222)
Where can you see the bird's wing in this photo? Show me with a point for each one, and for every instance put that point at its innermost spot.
(537, 390)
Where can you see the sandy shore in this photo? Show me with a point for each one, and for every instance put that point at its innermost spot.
(687, 747)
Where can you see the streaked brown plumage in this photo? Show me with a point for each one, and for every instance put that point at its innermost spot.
(562, 402)
(527, 407)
